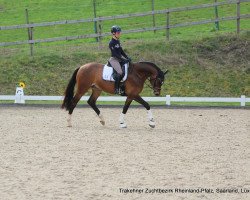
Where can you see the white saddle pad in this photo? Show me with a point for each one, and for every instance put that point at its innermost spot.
(108, 71)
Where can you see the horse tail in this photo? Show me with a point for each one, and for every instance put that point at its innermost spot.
(69, 92)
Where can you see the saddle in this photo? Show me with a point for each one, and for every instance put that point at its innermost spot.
(109, 74)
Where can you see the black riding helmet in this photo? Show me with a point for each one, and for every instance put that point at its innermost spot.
(115, 29)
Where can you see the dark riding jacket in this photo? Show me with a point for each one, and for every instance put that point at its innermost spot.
(116, 50)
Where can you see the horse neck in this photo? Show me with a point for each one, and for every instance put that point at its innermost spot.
(146, 70)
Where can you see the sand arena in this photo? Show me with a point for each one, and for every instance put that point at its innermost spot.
(42, 158)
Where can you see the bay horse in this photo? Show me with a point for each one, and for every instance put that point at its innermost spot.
(90, 76)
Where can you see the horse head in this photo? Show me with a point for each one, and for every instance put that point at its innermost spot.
(158, 81)
(154, 74)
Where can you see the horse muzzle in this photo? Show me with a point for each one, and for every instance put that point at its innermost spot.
(157, 93)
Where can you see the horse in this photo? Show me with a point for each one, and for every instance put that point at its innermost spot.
(90, 76)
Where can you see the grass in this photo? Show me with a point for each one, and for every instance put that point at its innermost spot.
(212, 66)
(13, 13)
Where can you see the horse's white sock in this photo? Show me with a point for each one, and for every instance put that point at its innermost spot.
(150, 115)
(151, 119)
(122, 121)
(101, 119)
(69, 120)
(121, 118)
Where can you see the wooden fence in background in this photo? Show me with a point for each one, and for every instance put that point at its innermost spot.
(98, 20)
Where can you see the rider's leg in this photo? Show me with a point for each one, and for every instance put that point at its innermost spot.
(117, 84)
(116, 65)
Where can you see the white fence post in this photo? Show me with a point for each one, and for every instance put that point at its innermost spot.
(243, 100)
(168, 100)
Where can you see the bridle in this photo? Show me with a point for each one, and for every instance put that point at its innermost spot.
(159, 77)
(154, 87)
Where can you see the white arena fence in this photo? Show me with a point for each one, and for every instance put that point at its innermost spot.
(168, 99)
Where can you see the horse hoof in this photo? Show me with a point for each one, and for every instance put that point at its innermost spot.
(101, 119)
(123, 125)
(152, 123)
(152, 126)
(69, 123)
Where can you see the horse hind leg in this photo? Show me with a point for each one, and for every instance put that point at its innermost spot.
(74, 102)
(92, 102)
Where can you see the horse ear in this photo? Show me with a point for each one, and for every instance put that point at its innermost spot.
(166, 72)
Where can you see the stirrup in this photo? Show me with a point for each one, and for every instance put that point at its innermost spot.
(118, 91)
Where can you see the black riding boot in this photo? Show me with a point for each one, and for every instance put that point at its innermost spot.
(117, 84)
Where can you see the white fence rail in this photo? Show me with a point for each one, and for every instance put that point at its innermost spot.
(242, 100)
(168, 99)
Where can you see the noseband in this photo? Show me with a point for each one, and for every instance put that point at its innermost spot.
(154, 87)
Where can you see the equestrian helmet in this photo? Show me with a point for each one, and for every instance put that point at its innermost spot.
(115, 29)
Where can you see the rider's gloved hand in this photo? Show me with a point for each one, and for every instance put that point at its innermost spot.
(129, 59)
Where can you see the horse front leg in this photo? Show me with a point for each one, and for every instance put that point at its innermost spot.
(147, 106)
(124, 111)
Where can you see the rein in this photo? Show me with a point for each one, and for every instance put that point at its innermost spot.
(149, 85)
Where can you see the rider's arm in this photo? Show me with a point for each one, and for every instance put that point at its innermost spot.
(124, 54)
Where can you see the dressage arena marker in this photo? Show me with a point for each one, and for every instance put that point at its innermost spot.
(19, 97)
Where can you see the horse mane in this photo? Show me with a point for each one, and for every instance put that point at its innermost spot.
(152, 64)
(160, 73)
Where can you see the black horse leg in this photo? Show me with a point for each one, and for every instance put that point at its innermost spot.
(92, 102)
(124, 111)
(142, 102)
(127, 104)
(147, 106)
(74, 102)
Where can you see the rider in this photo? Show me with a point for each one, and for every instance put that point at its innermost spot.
(117, 56)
